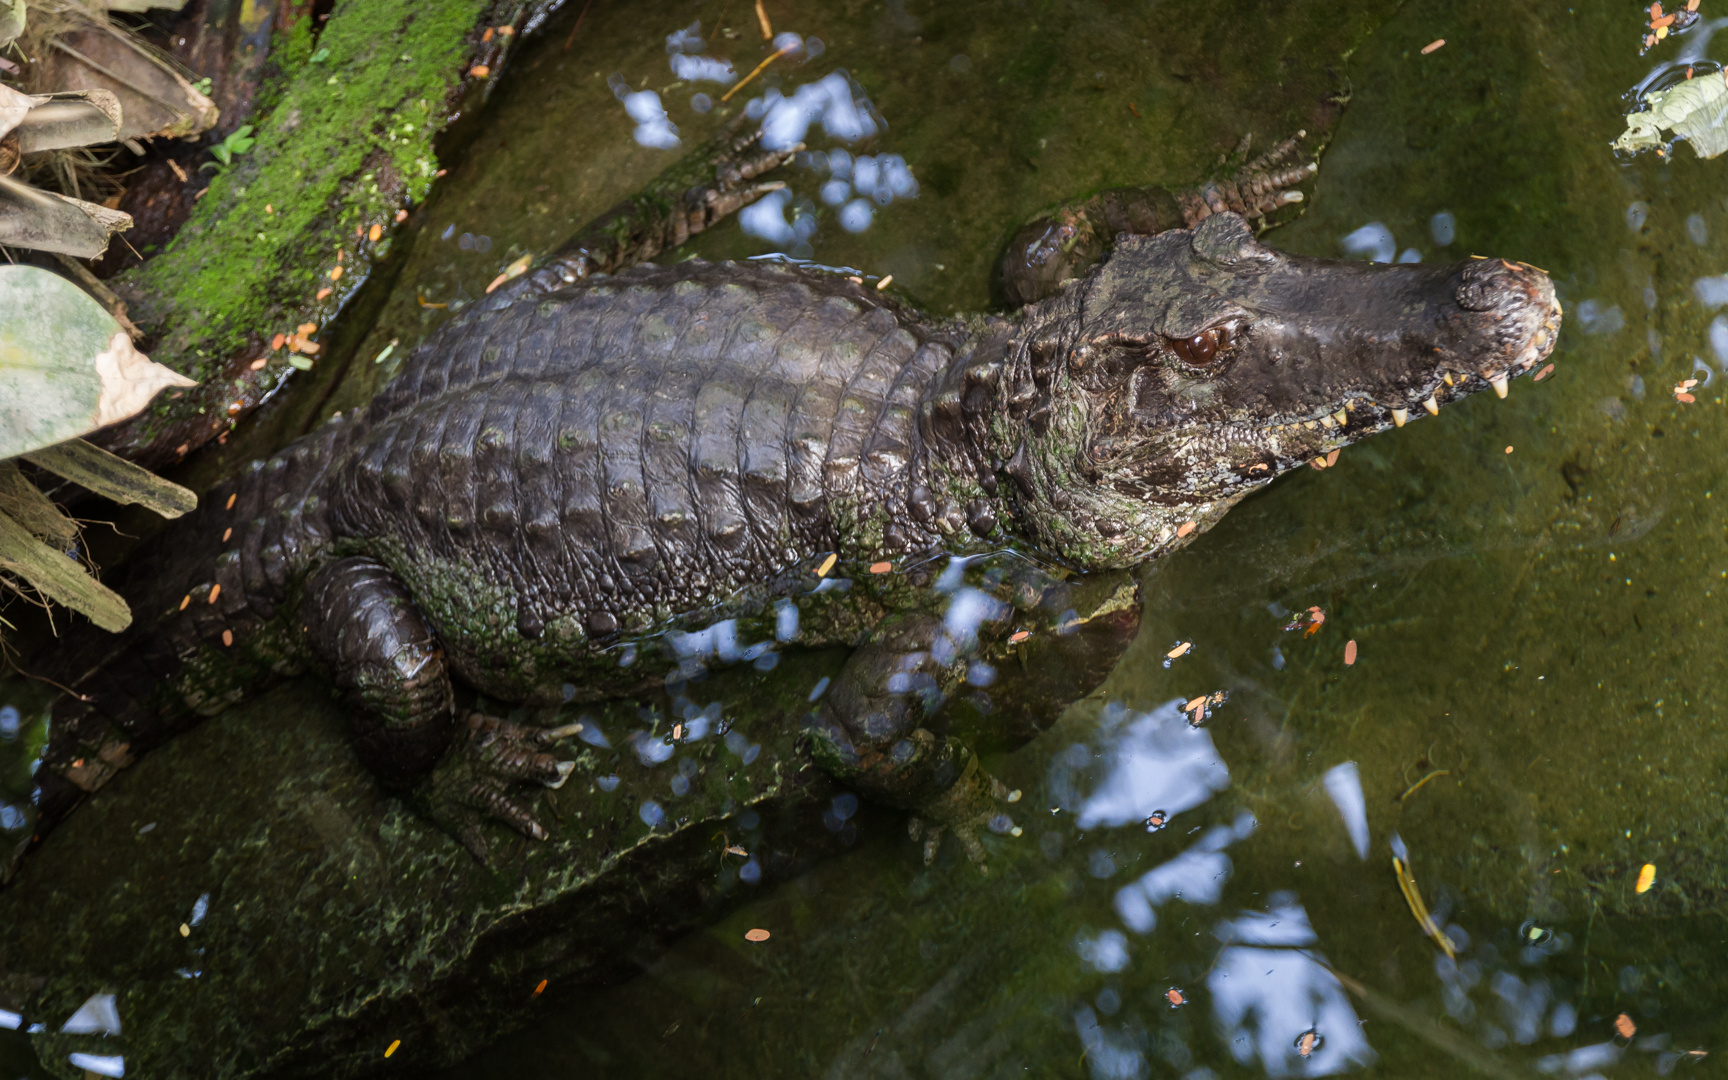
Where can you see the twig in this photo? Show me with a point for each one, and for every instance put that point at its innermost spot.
(762, 17)
(578, 25)
(1411, 790)
(739, 85)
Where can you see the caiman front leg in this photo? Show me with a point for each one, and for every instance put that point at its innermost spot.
(362, 624)
(1063, 244)
(873, 730)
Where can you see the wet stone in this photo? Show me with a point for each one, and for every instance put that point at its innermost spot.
(338, 919)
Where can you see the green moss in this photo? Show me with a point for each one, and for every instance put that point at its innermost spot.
(342, 142)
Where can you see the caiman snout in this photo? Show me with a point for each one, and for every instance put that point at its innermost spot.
(1519, 301)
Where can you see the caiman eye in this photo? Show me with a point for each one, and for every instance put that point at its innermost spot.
(1202, 348)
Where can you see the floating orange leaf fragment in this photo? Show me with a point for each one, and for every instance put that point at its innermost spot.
(1624, 1027)
(1349, 652)
(506, 31)
(538, 990)
(1332, 459)
(497, 281)
(227, 638)
(276, 342)
(306, 328)
(881, 567)
(1547, 370)
(1180, 650)
(375, 232)
(487, 36)
(757, 934)
(391, 1049)
(827, 564)
(226, 533)
(215, 591)
(335, 273)
(322, 293)
(479, 71)
(1508, 449)
(401, 216)
(1175, 997)
(185, 601)
(1646, 878)
(1316, 618)
(1185, 528)
(231, 499)
(1018, 636)
(1684, 398)
(1432, 45)
(258, 364)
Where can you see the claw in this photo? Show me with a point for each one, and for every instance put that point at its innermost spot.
(475, 781)
(565, 768)
(970, 802)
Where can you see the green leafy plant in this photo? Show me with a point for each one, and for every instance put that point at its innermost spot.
(203, 86)
(238, 141)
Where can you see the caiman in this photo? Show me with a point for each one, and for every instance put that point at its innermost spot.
(591, 481)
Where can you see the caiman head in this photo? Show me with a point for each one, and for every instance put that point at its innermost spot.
(1192, 367)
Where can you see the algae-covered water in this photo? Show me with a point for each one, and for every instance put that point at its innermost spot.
(1528, 714)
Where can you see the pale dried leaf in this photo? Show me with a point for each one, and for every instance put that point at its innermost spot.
(1695, 110)
(113, 477)
(36, 219)
(59, 577)
(67, 369)
(24, 503)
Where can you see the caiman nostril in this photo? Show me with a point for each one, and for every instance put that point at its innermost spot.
(1487, 285)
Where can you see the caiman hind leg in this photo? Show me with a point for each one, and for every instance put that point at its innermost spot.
(383, 656)
(874, 730)
(692, 195)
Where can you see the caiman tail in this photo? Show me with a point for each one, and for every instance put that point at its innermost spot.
(211, 598)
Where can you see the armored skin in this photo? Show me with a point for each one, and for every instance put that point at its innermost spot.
(575, 486)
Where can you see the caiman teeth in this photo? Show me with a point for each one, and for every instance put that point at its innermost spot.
(1432, 406)
(1448, 378)
(1341, 417)
(1309, 424)
(1327, 421)
(1498, 382)
(1399, 416)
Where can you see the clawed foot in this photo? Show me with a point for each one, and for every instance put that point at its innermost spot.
(974, 800)
(1258, 188)
(474, 781)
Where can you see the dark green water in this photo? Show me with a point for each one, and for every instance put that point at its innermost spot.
(1529, 582)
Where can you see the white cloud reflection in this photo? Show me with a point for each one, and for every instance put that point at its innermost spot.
(1157, 761)
(1268, 990)
(1344, 784)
